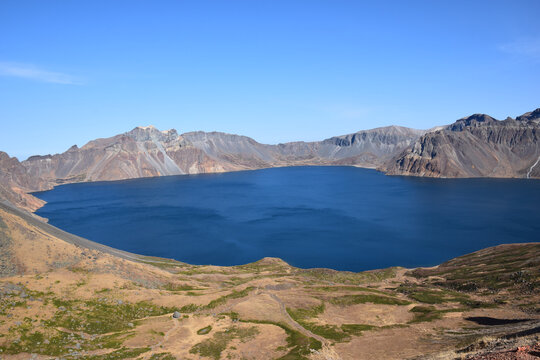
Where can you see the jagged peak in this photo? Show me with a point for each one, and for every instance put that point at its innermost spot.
(144, 133)
(471, 120)
(152, 128)
(480, 119)
(477, 117)
(530, 116)
(149, 127)
(4, 155)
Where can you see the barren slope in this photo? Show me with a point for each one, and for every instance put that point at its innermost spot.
(475, 146)
(63, 296)
(147, 152)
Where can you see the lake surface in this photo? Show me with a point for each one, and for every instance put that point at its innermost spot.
(343, 218)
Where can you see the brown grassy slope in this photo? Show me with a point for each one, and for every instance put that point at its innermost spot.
(510, 267)
(64, 296)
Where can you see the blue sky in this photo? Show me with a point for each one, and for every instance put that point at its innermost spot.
(72, 71)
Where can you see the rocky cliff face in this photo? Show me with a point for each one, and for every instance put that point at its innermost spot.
(475, 146)
(147, 152)
(368, 148)
(142, 152)
(15, 183)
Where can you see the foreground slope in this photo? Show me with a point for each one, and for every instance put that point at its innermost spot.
(475, 146)
(64, 296)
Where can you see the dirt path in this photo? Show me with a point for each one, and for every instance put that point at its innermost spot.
(156, 347)
(292, 322)
(283, 310)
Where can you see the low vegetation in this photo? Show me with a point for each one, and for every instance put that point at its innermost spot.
(346, 277)
(214, 346)
(307, 318)
(204, 330)
(506, 267)
(163, 356)
(346, 300)
(100, 317)
(346, 288)
(299, 346)
(102, 307)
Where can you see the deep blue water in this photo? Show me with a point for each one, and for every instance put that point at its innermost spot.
(343, 218)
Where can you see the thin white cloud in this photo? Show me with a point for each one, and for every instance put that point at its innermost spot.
(523, 47)
(32, 72)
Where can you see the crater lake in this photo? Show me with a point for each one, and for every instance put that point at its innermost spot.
(344, 218)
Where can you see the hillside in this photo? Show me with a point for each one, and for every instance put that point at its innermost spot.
(15, 183)
(147, 152)
(475, 146)
(64, 296)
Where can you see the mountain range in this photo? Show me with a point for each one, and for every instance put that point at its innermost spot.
(474, 146)
(63, 296)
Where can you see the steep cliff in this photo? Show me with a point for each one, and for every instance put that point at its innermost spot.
(15, 183)
(142, 152)
(368, 148)
(147, 152)
(475, 146)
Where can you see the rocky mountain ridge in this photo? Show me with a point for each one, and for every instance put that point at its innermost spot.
(475, 146)
(147, 152)
(15, 183)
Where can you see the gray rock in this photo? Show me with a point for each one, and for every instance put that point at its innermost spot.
(176, 315)
(474, 146)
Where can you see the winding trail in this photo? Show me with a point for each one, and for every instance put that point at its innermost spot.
(532, 167)
(292, 322)
(154, 349)
(283, 310)
(228, 307)
(167, 334)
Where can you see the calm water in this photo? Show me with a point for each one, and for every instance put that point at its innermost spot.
(338, 217)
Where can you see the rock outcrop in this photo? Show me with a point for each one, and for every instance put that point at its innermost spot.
(142, 152)
(15, 183)
(475, 146)
(148, 152)
(369, 148)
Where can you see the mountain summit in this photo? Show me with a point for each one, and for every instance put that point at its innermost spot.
(475, 146)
